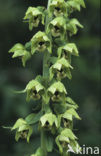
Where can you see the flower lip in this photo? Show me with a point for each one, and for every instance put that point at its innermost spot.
(56, 28)
(56, 93)
(41, 43)
(36, 17)
(24, 134)
(57, 8)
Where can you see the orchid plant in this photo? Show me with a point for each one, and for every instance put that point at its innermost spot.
(57, 110)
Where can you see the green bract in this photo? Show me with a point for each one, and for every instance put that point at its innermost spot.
(72, 26)
(57, 27)
(34, 16)
(19, 50)
(40, 42)
(23, 130)
(57, 91)
(67, 50)
(58, 8)
(34, 90)
(61, 69)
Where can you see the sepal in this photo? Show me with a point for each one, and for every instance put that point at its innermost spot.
(72, 25)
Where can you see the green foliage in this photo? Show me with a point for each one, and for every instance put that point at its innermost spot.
(54, 119)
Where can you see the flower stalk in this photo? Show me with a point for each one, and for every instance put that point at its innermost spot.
(56, 113)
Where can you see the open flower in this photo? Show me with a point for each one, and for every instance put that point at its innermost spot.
(60, 69)
(40, 42)
(34, 90)
(57, 27)
(72, 25)
(34, 16)
(57, 91)
(67, 50)
(73, 5)
(49, 121)
(23, 129)
(19, 51)
(58, 8)
(65, 138)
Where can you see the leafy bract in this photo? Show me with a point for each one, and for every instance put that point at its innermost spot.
(40, 42)
(34, 16)
(19, 50)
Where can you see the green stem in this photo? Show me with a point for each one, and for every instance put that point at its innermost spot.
(46, 76)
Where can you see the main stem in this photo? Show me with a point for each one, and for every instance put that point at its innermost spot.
(45, 75)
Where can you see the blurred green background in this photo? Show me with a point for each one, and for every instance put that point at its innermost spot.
(84, 87)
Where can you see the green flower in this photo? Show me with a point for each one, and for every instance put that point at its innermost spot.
(34, 90)
(40, 42)
(57, 91)
(73, 5)
(23, 130)
(19, 50)
(72, 25)
(66, 137)
(49, 121)
(57, 27)
(58, 8)
(60, 69)
(34, 16)
(67, 50)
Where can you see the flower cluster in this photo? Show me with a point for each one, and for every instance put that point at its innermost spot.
(54, 117)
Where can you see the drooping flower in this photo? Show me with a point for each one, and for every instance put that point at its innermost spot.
(58, 8)
(60, 69)
(34, 16)
(23, 130)
(20, 51)
(57, 27)
(40, 42)
(67, 50)
(57, 91)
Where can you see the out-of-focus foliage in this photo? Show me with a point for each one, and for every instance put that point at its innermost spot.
(84, 87)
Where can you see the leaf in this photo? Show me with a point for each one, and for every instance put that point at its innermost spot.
(49, 142)
(33, 118)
